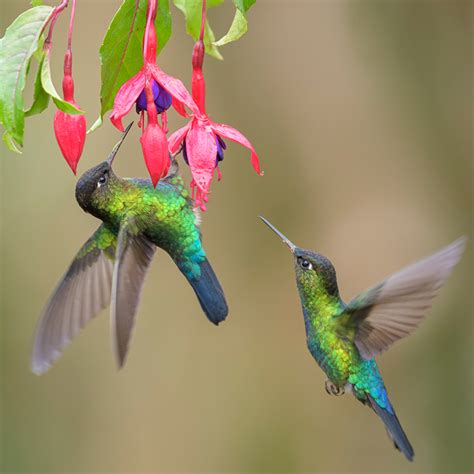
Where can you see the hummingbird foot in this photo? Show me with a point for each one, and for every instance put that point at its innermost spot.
(333, 389)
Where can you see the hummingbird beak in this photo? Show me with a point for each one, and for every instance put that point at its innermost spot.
(290, 244)
(111, 157)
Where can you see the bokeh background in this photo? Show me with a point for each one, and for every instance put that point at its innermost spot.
(361, 112)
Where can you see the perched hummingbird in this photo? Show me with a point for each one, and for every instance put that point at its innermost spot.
(111, 265)
(345, 338)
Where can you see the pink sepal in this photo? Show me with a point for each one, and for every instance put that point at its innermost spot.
(226, 131)
(174, 86)
(179, 107)
(126, 98)
(177, 138)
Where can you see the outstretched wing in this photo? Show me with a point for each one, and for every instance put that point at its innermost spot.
(394, 308)
(81, 293)
(133, 257)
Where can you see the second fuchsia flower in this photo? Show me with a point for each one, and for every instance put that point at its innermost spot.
(153, 91)
(202, 139)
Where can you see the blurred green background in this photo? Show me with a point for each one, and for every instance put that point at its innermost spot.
(361, 112)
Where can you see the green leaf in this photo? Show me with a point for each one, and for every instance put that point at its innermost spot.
(36, 3)
(96, 124)
(237, 29)
(192, 11)
(40, 96)
(49, 88)
(121, 51)
(239, 24)
(16, 48)
(243, 5)
(10, 143)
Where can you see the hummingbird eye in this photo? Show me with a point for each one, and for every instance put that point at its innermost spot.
(102, 180)
(305, 264)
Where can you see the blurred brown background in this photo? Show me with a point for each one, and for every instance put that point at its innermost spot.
(361, 112)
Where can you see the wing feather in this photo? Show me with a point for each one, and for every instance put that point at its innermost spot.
(82, 292)
(134, 255)
(395, 308)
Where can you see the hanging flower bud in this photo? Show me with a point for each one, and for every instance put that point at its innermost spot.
(70, 130)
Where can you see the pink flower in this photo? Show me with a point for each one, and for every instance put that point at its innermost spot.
(202, 139)
(129, 93)
(157, 87)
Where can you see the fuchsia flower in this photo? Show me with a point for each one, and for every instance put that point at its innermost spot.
(202, 139)
(153, 91)
(70, 130)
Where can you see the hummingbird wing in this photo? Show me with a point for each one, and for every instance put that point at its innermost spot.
(395, 308)
(133, 257)
(81, 293)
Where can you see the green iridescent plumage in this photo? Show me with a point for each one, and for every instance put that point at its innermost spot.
(343, 339)
(111, 266)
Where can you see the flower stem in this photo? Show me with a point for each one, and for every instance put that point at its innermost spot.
(198, 82)
(203, 21)
(71, 24)
(52, 21)
(68, 84)
(149, 39)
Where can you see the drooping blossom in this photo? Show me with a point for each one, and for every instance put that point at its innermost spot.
(152, 91)
(202, 140)
(70, 130)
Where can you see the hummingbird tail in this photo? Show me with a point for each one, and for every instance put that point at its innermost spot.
(209, 293)
(394, 429)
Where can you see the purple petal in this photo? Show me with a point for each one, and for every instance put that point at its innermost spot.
(141, 101)
(163, 101)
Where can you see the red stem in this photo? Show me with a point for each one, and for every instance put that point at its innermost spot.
(52, 21)
(203, 20)
(71, 24)
(149, 39)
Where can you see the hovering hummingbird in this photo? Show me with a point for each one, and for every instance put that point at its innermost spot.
(111, 265)
(345, 338)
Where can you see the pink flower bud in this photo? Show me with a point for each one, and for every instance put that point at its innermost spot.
(155, 151)
(70, 131)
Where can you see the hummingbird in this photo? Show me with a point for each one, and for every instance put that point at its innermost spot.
(344, 339)
(111, 266)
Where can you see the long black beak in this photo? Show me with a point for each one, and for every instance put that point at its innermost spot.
(288, 242)
(118, 144)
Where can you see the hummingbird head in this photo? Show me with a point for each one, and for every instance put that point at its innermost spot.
(96, 182)
(314, 272)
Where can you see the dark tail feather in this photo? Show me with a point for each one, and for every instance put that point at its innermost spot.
(209, 293)
(394, 429)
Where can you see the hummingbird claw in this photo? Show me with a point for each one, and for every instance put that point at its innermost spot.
(333, 389)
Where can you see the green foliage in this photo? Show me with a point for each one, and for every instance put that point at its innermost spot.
(120, 54)
(121, 51)
(48, 88)
(192, 11)
(16, 49)
(40, 96)
(239, 24)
